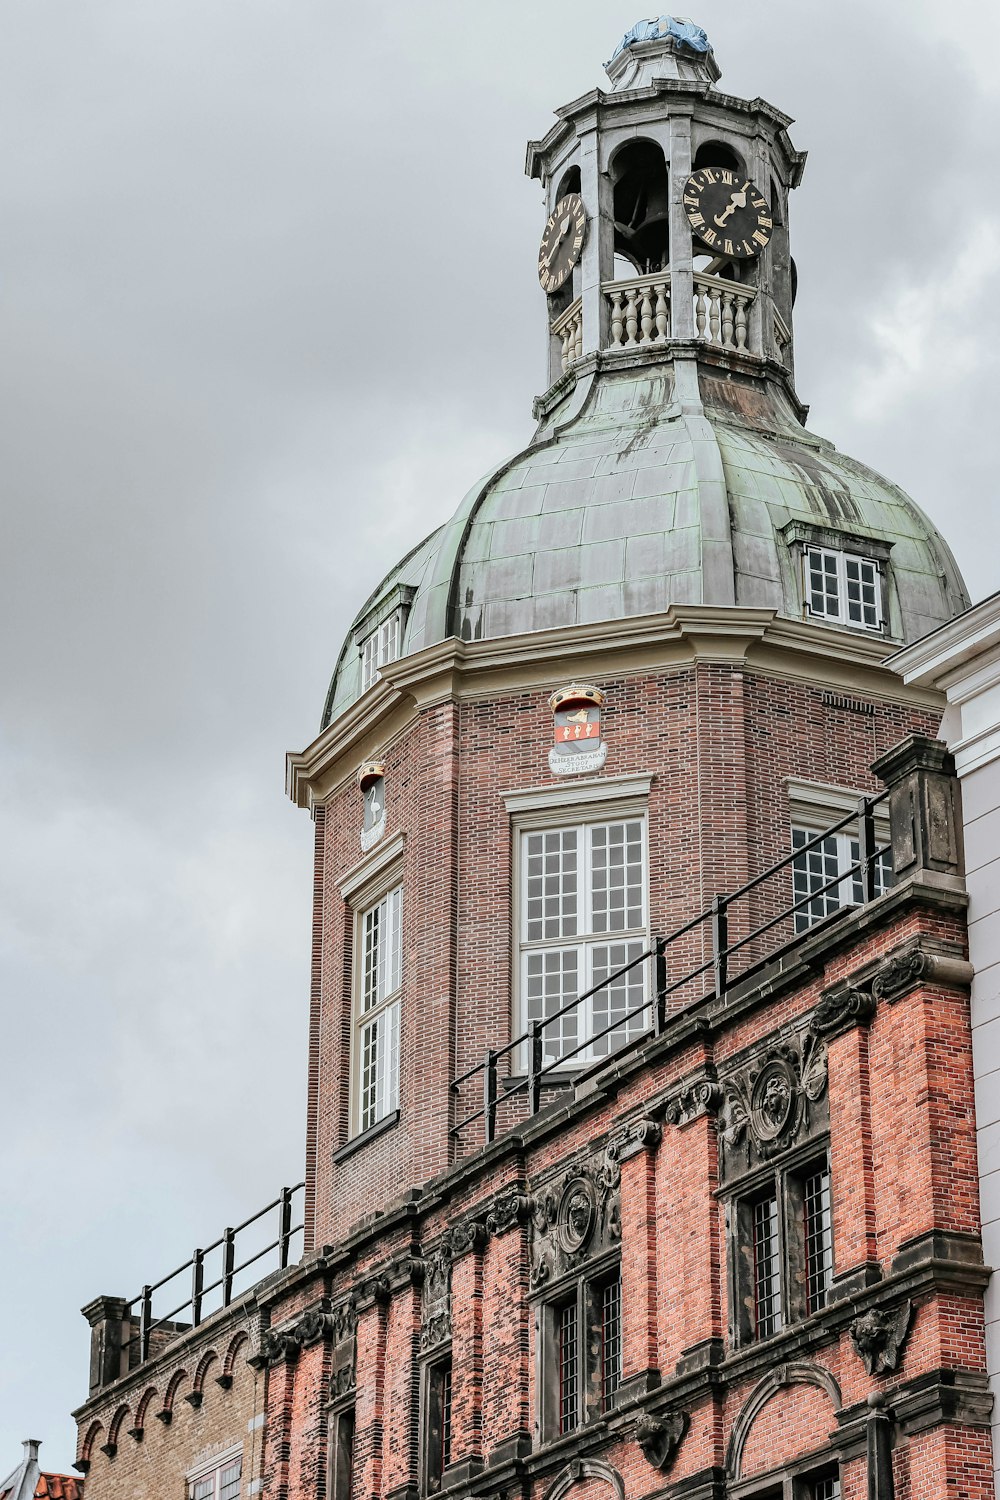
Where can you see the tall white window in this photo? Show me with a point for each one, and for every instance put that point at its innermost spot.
(843, 586)
(379, 648)
(835, 856)
(583, 916)
(380, 978)
(222, 1483)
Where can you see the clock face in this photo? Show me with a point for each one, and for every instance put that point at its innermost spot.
(726, 212)
(562, 242)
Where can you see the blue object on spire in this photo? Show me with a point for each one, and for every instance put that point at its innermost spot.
(662, 26)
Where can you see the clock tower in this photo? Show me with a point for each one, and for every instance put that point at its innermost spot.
(668, 204)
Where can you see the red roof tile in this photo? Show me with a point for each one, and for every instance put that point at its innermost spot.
(58, 1487)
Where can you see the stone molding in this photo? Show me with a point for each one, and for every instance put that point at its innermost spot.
(797, 1372)
(917, 963)
(699, 1096)
(510, 1210)
(640, 1135)
(435, 1304)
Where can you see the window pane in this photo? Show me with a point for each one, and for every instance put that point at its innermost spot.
(623, 1000)
(825, 1489)
(811, 870)
(611, 1340)
(819, 1238)
(569, 1374)
(766, 1268)
(552, 980)
(382, 949)
(863, 583)
(445, 1416)
(204, 1489)
(883, 872)
(551, 884)
(616, 876)
(822, 583)
(379, 648)
(229, 1482)
(380, 1067)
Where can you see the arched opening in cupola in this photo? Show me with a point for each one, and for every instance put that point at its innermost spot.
(717, 154)
(641, 208)
(568, 183)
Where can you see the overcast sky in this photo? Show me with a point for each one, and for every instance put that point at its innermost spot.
(268, 307)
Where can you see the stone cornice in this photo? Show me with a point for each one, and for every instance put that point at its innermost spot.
(454, 670)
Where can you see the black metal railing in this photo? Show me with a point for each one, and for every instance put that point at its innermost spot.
(207, 1296)
(727, 961)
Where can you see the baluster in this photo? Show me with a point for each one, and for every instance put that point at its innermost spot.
(631, 318)
(617, 320)
(699, 309)
(713, 315)
(567, 345)
(727, 321)
(741, 321)
(578, 338)
(646, 315)
(662, 312)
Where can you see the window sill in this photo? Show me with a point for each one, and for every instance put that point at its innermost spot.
(367, 1136)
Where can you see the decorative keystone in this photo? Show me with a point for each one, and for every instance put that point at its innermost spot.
(840, 1009)
(878, 1337)
(660, 1437)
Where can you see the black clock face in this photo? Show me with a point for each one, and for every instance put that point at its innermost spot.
(726, 212)
(562, 242)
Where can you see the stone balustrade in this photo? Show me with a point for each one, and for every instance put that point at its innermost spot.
(721, 310)
(569, 329)
(640, 311)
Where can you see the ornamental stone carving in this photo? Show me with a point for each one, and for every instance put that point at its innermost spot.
(899, 974)
(840, 1009)
(638, 1135)
(659, 1437)
(703, 1096)
(509, 1210)
(773, 1101)
(576, 1216)
(466, 1237)
(878, 1337)
(435, 1308)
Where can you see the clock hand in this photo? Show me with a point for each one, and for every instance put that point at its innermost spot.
(738, 200)
(564, 229)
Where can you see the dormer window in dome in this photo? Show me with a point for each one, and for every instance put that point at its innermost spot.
(844, 577)
(844, 587)
(379, 634)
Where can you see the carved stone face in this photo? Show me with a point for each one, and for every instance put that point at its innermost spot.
(576, 1216)
(773, 1102)
(869, 1332)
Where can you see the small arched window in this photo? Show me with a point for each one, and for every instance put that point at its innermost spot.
(569, 183)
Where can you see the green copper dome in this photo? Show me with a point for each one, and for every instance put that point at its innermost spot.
(628, 501)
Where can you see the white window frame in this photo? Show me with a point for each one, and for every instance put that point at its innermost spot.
(843, 562)
(816, 806)
(377, 1009)
(214, 1469)
(380, 647)
(583, 806)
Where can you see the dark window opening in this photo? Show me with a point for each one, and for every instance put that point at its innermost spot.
(569, 1367)
(437, 1449)
(341, 1455)
(582, 1354)
(716, 154)
(818, 1237)
(570, 183)
(642, 206)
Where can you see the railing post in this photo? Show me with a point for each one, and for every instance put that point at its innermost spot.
(197, 1285)
(490, 1094)
(284, 1226)
(535, 1068)
(228, 1262)
(145, 1320)
(660, 981)
(720, 945)
(866, 849)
